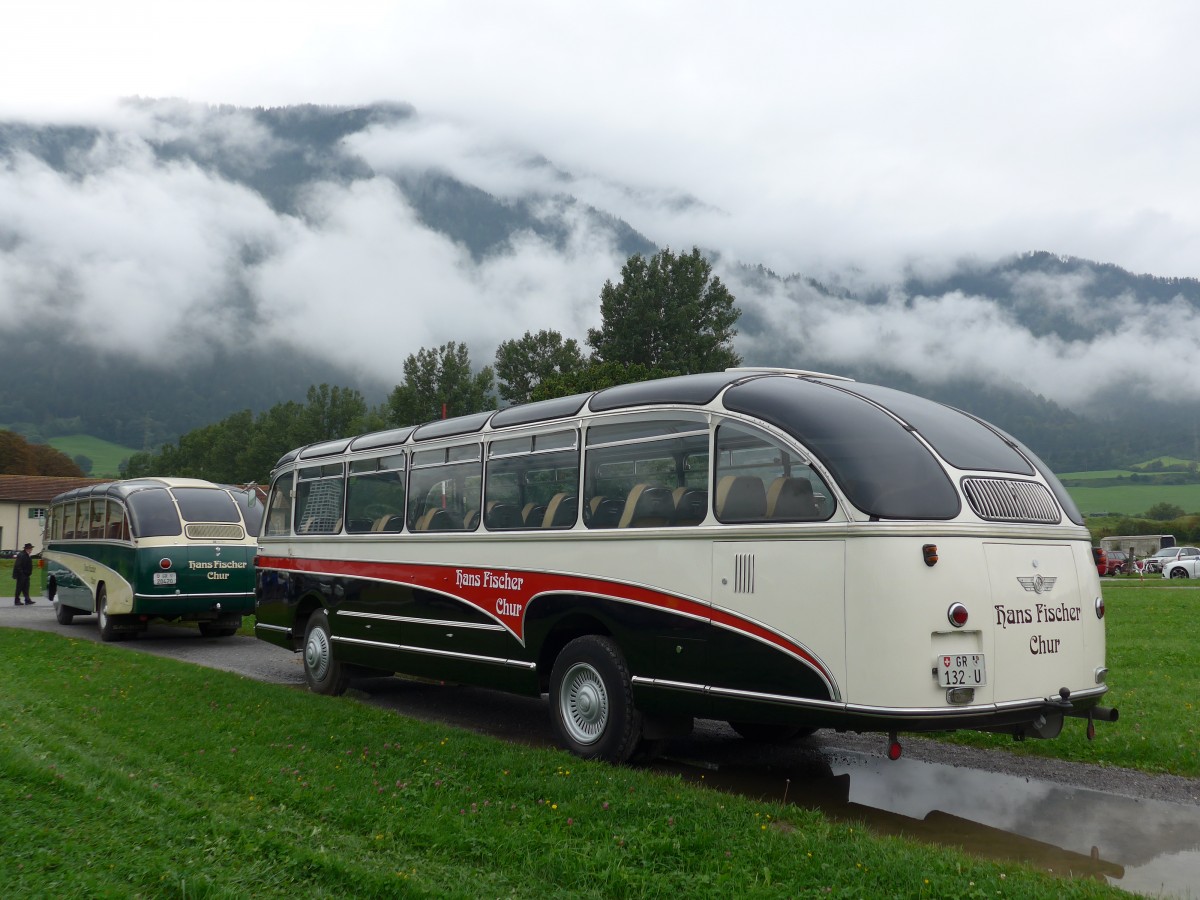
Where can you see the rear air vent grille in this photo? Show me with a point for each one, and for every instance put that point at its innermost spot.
(1008, 500)
(209, 531)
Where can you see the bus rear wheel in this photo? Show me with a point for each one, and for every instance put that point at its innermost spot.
(591, 699)
(108, 629)
(324, 674)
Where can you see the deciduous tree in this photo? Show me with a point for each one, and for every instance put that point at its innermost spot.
(668, 312)
(523, 364)
(440, 382)
(593, 376)
(19, 457)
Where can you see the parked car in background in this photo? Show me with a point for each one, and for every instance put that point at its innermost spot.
(1101, 558)
(1118, 561)
(1181, 568)
(1160, 560)
(8, 554)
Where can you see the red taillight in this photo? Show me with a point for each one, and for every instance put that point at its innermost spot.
(957, 614)
(164, 563)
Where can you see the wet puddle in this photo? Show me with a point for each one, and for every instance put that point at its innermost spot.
(1144, 846)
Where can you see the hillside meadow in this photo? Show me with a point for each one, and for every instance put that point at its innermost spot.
(106, 456)
(1129, 498)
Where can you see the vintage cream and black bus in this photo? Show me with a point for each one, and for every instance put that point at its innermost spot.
(153, 548)
(783, 550)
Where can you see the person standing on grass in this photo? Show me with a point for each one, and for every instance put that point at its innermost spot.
(23, 571)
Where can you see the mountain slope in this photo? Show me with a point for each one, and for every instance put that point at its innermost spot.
(182, 262)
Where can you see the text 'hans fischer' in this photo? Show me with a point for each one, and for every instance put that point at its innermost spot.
(499, 581)
(1038, 614)
(213, 568)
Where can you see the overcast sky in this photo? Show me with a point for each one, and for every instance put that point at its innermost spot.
(871, 132)
(817, 137)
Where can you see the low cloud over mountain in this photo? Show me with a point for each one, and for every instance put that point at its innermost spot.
(327, 244)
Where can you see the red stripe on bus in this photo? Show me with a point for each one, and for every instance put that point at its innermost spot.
(505, 595)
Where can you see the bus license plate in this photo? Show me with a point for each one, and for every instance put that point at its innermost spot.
(164, 577)
(962, 670)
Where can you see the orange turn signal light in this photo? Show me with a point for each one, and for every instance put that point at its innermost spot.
(929, 551)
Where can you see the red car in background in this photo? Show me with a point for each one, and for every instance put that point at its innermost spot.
(1118, 562)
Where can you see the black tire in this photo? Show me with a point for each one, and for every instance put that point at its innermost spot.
(591, 701)
(324, 674)
(1179, 572)
(63, 613)
(52, 589)
(762, 733)
(108, 630)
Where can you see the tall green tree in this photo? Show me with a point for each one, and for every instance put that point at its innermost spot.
(593, 376)
(524, 363)
(440, 380)
(668, 312)
(337, 412)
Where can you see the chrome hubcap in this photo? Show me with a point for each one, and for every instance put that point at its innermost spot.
(583, 704)
(316, 653)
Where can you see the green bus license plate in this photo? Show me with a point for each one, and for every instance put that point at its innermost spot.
(164, 577)
(962, 670)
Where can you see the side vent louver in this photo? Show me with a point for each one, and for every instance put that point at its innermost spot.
(743, 573)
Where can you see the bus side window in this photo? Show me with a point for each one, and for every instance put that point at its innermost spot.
(533, 482)
(635, 483)
(760, 479)
(68, 521)
(444, 489)
(375, 495)
(319, 494)
(279, 507)
(118, 527)
(99, 508)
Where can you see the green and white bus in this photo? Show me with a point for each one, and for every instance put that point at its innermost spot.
(153, 548)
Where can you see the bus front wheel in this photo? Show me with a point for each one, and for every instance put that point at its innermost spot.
(63, 613)
(324, 674)
(591, 699)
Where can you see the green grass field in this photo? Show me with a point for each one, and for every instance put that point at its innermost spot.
(106, 457)
(1135, 499)
(226, 787)
(125, 774)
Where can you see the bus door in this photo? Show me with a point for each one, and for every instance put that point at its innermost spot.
(783, 602)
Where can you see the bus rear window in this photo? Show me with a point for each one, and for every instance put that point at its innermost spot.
(152, 514)
(206, 505)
